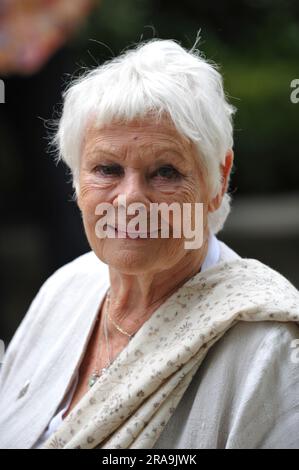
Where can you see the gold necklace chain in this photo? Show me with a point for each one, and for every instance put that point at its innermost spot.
(96, 374)
(115, 324)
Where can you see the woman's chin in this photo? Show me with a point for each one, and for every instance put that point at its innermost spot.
(131, 262)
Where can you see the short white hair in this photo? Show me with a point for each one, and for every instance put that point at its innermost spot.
(157, 76)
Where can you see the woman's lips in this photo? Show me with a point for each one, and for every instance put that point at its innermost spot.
(132, 236)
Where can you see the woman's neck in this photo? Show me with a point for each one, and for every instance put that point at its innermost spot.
(133, 298)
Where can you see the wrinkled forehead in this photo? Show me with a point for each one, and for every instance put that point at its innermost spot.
(148, 131)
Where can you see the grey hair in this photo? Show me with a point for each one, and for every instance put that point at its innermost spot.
(157, 76)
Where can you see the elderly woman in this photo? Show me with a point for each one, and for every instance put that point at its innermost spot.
(145, 342)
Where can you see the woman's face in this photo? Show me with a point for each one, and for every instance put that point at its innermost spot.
(147, 162)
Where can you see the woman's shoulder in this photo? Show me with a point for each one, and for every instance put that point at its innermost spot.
(249, 351)
(53, 303)
(87, 264)
(73, 277)
(261, 341)
(244, 393)
(251, 376)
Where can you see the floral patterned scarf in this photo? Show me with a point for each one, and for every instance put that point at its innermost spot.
(132, 401)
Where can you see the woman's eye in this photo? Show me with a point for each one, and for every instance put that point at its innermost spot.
(109, 170)
(168, 172)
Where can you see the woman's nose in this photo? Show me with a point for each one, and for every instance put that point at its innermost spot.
(133, 187)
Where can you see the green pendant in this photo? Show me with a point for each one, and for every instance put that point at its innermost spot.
(92, 380)
(94, 377)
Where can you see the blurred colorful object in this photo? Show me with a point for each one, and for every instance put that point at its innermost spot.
(32, 30)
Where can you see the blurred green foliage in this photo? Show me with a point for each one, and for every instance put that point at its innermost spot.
(256, 42)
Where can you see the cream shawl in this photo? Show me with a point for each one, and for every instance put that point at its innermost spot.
(131, 403)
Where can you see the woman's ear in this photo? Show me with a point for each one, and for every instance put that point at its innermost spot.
(215, 203)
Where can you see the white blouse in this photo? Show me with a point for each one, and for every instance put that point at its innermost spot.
(211, 259)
